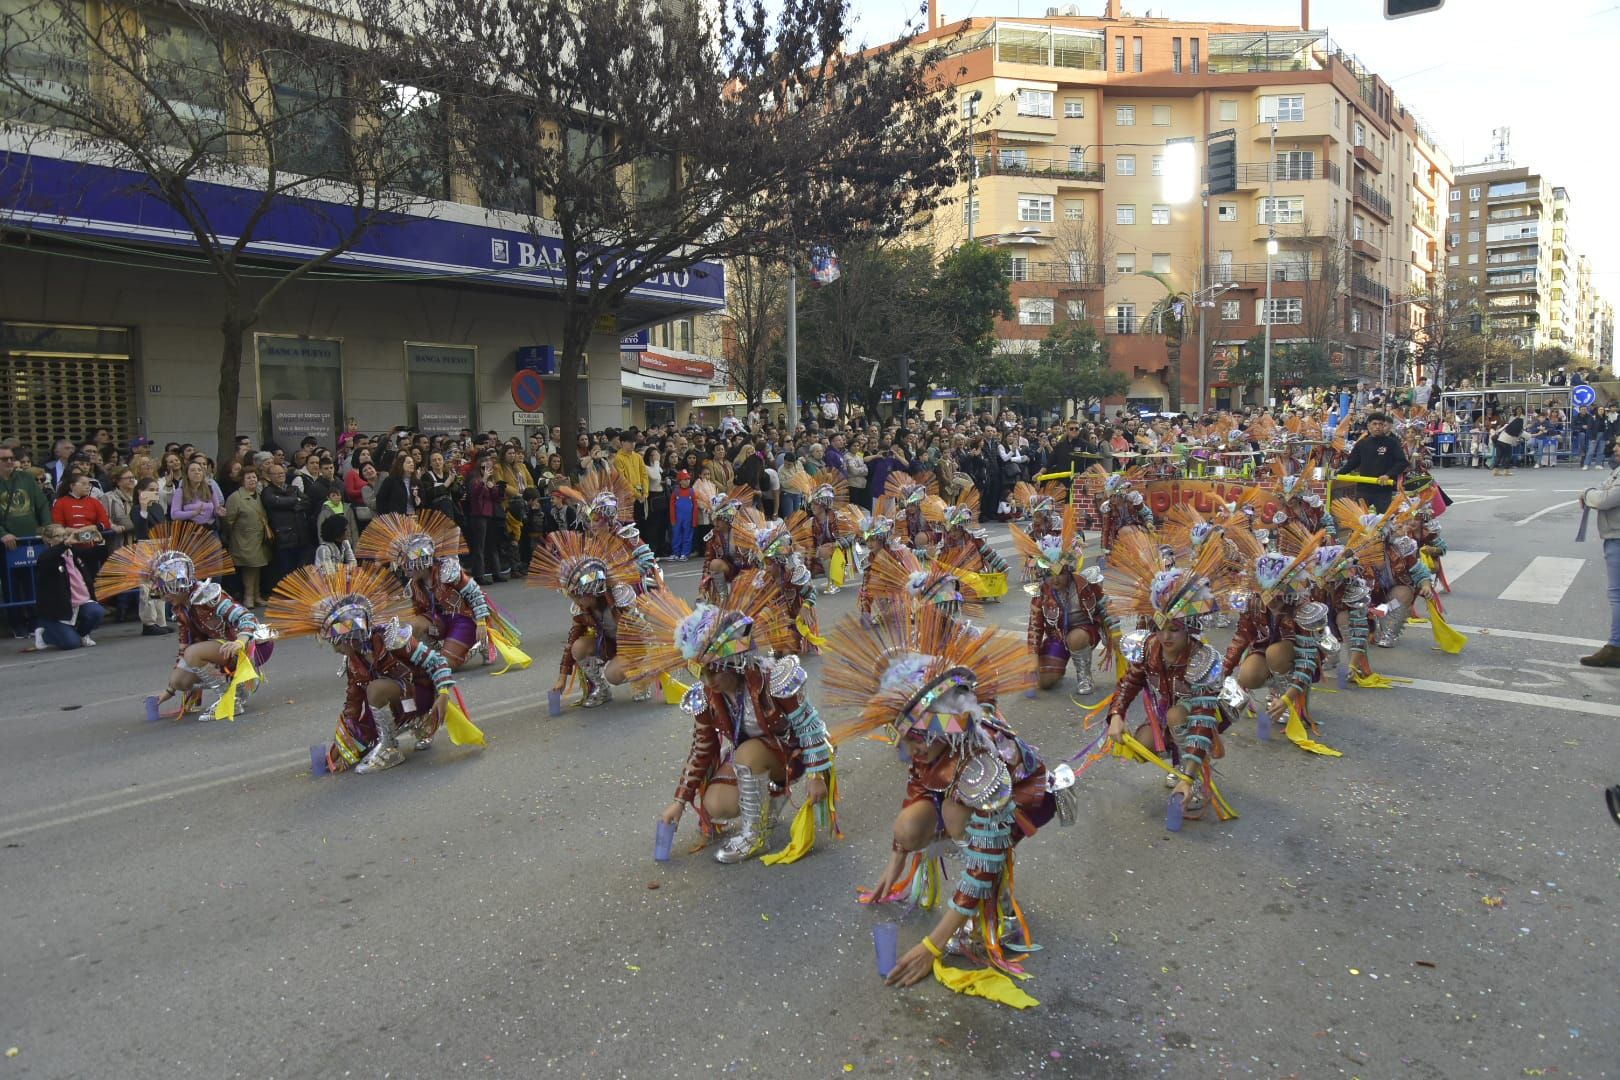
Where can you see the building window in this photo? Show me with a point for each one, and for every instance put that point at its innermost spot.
(654, 180)
(1161, 214)
(1161, 262)
(1077, 159)
(1158, 165)
(1034, 102)
(1073, 210)
(1018, 268)
(1034, 207)
(1136, 54)
(1075, 309)
(1453, 260)
(1456, 217)
(1282, 210)
(1125, 319)
(1456, 194)
(46, 56)
(1226, 110)
(1473, 215)
(1074, 108)
(1036, 311)
(1473, 260)
(1125, 215)
(1175, 55)
(1192, 43)
(1119, 54)
(311, 135)
(1014, 158)
(1473, 236)
(1282, 109)
(1226, 211)
(1125, 116)
(1161, 116)
(1125, 263)
(1355, 321)
(185, 70)
(1335, 112)
(1231, 310)
(1296, 165)
(1284, 310)
(1125, 165)
(1077, 266)
(1473, 194)
(970, 211)
(416, 160)
(1453, 239)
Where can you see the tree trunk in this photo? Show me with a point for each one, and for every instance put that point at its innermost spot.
(576, 333)
(232, 329)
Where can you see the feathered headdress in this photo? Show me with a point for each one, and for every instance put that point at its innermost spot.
(410, 544)
(603, 495)
(761, 541)
(908, 490)
(899, 577)
(722, 506)
(668, 633)
(1053, 553)
(348, 603)
(1138, 584)
(827, 488)
(178, 556)
(1029, 500)
(924, 675)
(580, 565)
(1277, 573)
(961, 513)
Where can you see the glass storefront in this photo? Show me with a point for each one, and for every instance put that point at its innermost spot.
(441, 386)
(302, 370)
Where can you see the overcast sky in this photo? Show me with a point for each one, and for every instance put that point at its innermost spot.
(1547, 70)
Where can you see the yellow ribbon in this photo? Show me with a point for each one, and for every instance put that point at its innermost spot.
(836, 571)
(509, 651)
(1301, 738)
(987, 983)
(245, 672)
(809, 635)
(463, 732)
(986, 585)
(1448, 639)
(1129, 746)
(802, 836)
(674, 689)
(1370, 681)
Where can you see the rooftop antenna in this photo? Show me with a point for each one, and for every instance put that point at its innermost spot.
(1500, 139)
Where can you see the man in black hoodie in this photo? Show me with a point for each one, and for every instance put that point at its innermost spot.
(1377, 453)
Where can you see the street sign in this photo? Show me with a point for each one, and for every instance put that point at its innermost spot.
(528, 391)
(1583, 395)
(528, 419)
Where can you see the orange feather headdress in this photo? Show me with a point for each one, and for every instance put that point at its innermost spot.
(581, 565)
(1138, 584)
(178, 556)
(603, 495)
(899, 577)
(666, 633)
(411, 543)
(908, 490)
(344, 603)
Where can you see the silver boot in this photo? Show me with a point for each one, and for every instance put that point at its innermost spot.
(386, 753)
(1391, 625)
(645, 693)
(418, 728)
(211, 685)
(753, 816)
(1083, 683)
(598, 692)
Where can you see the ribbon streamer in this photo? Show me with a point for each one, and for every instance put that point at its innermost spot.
(987, 983)
(837, 571)
(245, 672)
(804, 629)
(1301, 738)
(1448, 639)
(514, 657)
(463, 732)
(1129, 746)
(802, 836)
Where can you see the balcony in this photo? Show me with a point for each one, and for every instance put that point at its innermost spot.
(1368, 289)
(1366, 157)
(1132, 324)
(1257, 173)
(1511, 281)
(1061, 169)
(1366, 248)
(1426, 221)
(1372, 202)
(1253, 275)
(1060, 273)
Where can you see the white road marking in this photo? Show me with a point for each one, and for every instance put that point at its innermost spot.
(1544, 581)
(1548, 510)
(1526, 635)
(1458, 563)
(1497, 694)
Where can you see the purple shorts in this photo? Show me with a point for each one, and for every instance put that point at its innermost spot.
(1055, 650)
(462, 629)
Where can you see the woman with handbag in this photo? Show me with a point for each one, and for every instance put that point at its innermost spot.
(247, 536)
(1504, 438)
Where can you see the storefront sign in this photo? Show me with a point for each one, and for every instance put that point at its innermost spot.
(636, 342)
(683, 388)
(441, 418)
(675, 365)
(441, 359)
(292, 421)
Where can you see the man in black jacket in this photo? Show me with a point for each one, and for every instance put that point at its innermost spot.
(1378, 453)
(67, 614)
(287, 509)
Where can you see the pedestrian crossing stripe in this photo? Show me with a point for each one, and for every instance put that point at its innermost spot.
(1458, 563)
(1544, 581)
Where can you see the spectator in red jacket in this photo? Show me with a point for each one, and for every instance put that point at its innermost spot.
(85, 518)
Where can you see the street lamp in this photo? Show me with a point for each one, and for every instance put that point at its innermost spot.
(1205, 299)
(973, 100)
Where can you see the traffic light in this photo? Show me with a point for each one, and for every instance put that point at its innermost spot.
(1400, 9)
(1222, 165)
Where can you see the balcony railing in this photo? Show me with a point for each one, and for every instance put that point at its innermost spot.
(1373, 201)
(1365, 287)
(1250, 174)
(1426, 221)
(1055, 168)
(1061, 273)
(1367, 157)
(1132, 324)
(1255, 273)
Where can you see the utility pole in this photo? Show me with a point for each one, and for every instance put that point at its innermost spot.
(1271, 249)
(791, 396)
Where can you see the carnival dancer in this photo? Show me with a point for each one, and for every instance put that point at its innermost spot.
(1068, 613)
(1399, 578)
(599, 578)
(722, 555)
(910, 522)
(971, 781)
(879, 540)
(832, 527)
(608, 508)
(1279, 640)
(777, 550)
(1298, 504)
(1178, 670)
(960, 540)
(395, 684)
(953, 583)
(214, 632)
(449, 610)
(1121, 504)
(1432, 546)
(755, 730)
(1039, 510)
(1337, 572)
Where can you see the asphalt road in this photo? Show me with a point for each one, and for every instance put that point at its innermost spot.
(186, 900)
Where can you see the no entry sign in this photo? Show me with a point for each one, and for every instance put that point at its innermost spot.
(528, 391)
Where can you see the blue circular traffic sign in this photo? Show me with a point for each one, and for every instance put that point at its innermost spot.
(528, 390)
(1583, 395)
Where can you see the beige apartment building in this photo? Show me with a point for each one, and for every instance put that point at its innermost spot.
(1090, 136)
(1499, 240)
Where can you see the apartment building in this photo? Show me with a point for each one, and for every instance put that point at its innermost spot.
(1089, 137)
(1499, 240)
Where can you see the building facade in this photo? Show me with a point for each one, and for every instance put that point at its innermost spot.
(1089, 137)
(1500, 241)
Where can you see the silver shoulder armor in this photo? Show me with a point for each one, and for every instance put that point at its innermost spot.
(801, 572)
(1092, 574)
(623, 596)
(985, 783)
(1312, 616)
(787, 677)
(629, 532)
(575, 609)
(695, 701)
(206, 592)
(449, 570)
(1133, 646)
(1204, 666)
(396, 634)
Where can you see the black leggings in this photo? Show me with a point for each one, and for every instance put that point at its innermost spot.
(1504, 455)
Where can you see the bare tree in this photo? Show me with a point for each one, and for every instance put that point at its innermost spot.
(660, 139)
(232, 116)
(756, 316)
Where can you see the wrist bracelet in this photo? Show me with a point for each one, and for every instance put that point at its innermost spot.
(928, 943)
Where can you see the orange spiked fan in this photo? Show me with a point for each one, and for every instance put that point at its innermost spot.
(581, 565)
(908, 490)
(178, 556)
(665, 633)
(1053, 553)
(603, 495)
(828, 487)
(411, 543)
(898, 577)
(1138, 584)
(344, 603)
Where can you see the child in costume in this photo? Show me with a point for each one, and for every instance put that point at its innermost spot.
(609, 509)
(214, 631)
(395, 684)
(755, 730)
(599, 578)
(722, 553)
(1068, 612)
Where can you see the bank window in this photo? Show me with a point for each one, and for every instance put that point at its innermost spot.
(415, 158)
(1226, 109)
(184, 68)
(1125, 215)
(64, 377)
(310, 134)
(1161, 116)
(1074, 108)
(1034, 207)
(300, 382)
(1125, 165)
(1036, 311)
(1034, 102)
(1124, 115)
(442, 386)
(1231, 310)
(1161, 214)
(1226, 211)
(44, 54)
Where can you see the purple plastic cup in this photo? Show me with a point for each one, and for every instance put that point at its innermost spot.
(1030, 693)
(317, 760)
(153, 713)
(554, 702)
(1262, 725)
(1173, 812)
(886, 940)
(663, 841)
